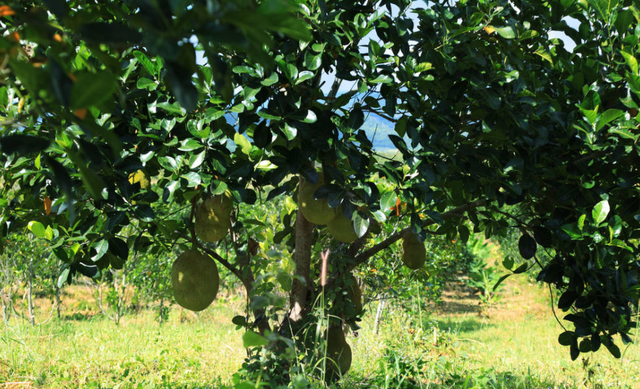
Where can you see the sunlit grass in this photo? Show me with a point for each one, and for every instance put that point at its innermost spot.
(515, 347)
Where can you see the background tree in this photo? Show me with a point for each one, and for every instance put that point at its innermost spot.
(488, 111)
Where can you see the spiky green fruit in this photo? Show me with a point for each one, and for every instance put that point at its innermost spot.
(316, 211)
(195, 280)
(414, 254)
(338, 354)
(341, 228)
(213, 218)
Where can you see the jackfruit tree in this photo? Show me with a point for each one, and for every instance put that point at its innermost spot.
(496, 124)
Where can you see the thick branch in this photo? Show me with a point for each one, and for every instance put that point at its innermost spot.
(247, 280)
(457, 212)
(302, 260)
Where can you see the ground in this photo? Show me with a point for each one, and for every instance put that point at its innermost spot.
(456, 345)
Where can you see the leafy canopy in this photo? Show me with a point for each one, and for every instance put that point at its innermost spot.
(496, 122)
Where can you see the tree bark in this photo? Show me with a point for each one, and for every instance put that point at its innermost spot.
(30, 276)
(302, 260)
(58, 300)
(376, 323)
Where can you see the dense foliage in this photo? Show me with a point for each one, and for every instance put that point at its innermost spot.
(488, 111)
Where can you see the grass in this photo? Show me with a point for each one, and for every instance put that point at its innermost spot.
(515, 347)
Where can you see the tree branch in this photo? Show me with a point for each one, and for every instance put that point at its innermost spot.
(365, 255)
(302, 260)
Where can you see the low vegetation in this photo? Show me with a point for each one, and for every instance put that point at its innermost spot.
(453, 345)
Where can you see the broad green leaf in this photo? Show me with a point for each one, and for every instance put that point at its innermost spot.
(172, 108)
(64, 275)
(632, 62)
(90, 179)
(505, 32)
(37, 228)
(213, 114)
(527, 246)
(197, 159)
(92, 89)
(423, 67)
(382, 79)
(145, 83)
(22, 144)
(504, 277)
(192, 178)
(600, 212)
(607, 117)
(252, 339)
(101, 248)
(566, 338)
(146, 62)
(387, 201)
(464, 233)
(581, 221)
(243, 143)
(311, 61)
(360, 225)
(272, 79)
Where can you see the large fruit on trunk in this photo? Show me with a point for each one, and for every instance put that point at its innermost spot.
(195, 280)
(414, 253)
(338, 354)
(213, 218)
(316, 211)
(341, 228)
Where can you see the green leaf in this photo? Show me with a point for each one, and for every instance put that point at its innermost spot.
(146, 62)
(360, 225)
(37, 228)
(239, 320)
(600, 212)
(607, 117)
(387, 201)
(197, 159)
(272, 79)
(505, 32)
(90, 179)
(632, 62)
(613, 349)
(464, 233)
(423, 67)
(252, 339)
(172, 108)
(527, 246)
(601, 7)
(382, 79)
(92, 89)
(146, 83)
(101, 248)
(193, 179)
(504, 277)
(22, 144)
(243, 144)
(566, 338)
(64, 275)
(311, 61)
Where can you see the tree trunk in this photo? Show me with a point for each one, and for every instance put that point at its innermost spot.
(376, 323)
(58, 301)
(115, 289)
(30, 276)
(5, 309)
(160, 311)
(302, 260)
